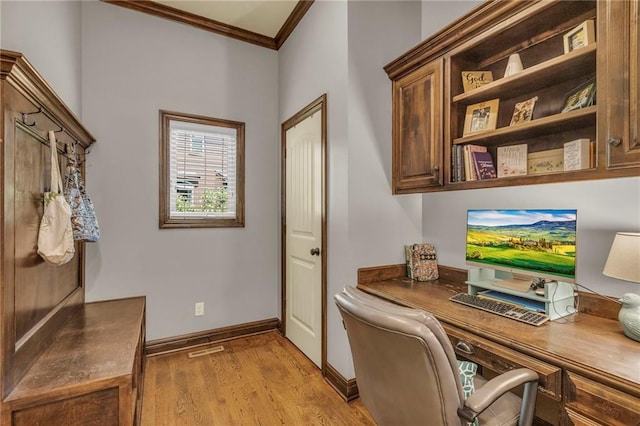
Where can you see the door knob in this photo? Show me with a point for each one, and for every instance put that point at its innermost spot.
(315, 251)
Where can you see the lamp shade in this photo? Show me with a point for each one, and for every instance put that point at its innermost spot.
(623, 262)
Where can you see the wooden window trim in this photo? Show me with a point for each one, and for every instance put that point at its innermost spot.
(165, 220)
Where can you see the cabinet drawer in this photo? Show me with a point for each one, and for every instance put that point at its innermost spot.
(498, 358)
(599, 403)
(96, 408)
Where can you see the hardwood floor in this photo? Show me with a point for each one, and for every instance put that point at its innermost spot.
(257, 380)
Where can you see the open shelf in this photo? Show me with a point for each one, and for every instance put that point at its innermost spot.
(542, 126)
(561, 68)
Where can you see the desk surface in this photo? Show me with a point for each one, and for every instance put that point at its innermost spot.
(592, 346)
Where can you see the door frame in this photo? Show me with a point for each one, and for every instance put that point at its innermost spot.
(320, 104)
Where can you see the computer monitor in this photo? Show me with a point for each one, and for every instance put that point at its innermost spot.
(528, 243)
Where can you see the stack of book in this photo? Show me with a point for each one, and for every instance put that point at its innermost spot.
(471, 162)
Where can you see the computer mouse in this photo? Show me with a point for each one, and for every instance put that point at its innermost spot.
(539, 291)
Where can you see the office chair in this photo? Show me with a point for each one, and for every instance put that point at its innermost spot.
(407, 372)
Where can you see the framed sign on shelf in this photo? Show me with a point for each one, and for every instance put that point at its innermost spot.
(481, 117)
(523, 111)
(474, 79)
(581, 36)
(580, 97)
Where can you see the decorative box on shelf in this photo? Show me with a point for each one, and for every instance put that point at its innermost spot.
(558, 298)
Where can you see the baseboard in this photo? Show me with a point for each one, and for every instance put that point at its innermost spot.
(170, 344)
(348, 389)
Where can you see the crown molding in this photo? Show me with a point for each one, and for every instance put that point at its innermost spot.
(211, 25)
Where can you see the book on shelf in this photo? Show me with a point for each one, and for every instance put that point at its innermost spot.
(457, 164)
(544, 162)
(512, 160)
(469, 166)
(454, 162)
(424, 265)
(460, 163)
(483, 165)
(577, 154)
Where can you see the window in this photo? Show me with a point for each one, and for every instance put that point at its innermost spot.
(201, 171)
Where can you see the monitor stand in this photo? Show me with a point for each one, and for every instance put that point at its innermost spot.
(518, 283)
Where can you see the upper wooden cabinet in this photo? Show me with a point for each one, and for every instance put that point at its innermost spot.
(425, 158)
(417, 127)
(620, 118)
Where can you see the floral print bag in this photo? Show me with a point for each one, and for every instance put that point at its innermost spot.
(83, 216)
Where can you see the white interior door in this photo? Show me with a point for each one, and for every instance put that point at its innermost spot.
(304, 173)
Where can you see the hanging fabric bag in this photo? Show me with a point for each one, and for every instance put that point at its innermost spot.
(55, 237)
(83, 215)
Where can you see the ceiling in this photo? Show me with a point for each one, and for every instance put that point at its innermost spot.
(266, 23)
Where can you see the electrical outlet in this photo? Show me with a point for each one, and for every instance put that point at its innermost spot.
(199, 309)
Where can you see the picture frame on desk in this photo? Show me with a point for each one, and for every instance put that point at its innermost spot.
(580, 97)
(481, 117)
(581, 36)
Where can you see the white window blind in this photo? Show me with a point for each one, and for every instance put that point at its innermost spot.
(202, 171)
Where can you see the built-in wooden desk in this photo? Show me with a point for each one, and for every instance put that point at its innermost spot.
(589, 371)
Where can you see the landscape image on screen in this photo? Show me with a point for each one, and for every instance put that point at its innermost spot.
(541, 242)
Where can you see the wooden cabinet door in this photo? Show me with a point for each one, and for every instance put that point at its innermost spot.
(417, 129)
(619, 120)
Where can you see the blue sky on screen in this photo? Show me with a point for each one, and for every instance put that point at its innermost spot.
(517, 217)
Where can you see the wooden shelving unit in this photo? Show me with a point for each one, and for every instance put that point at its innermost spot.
(430, 105)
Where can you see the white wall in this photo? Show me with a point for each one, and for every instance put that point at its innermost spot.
(313, 61)
(379, 223)
(133, 66)
(437, 14)
(47, 33)
(339, 48)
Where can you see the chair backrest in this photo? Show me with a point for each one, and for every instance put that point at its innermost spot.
(404, 363)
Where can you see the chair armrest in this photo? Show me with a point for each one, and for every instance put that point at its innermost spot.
(485, 396)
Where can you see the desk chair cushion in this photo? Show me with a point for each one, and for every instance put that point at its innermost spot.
(468, 370)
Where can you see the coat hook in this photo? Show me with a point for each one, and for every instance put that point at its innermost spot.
(26, 114)
(58, 131)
